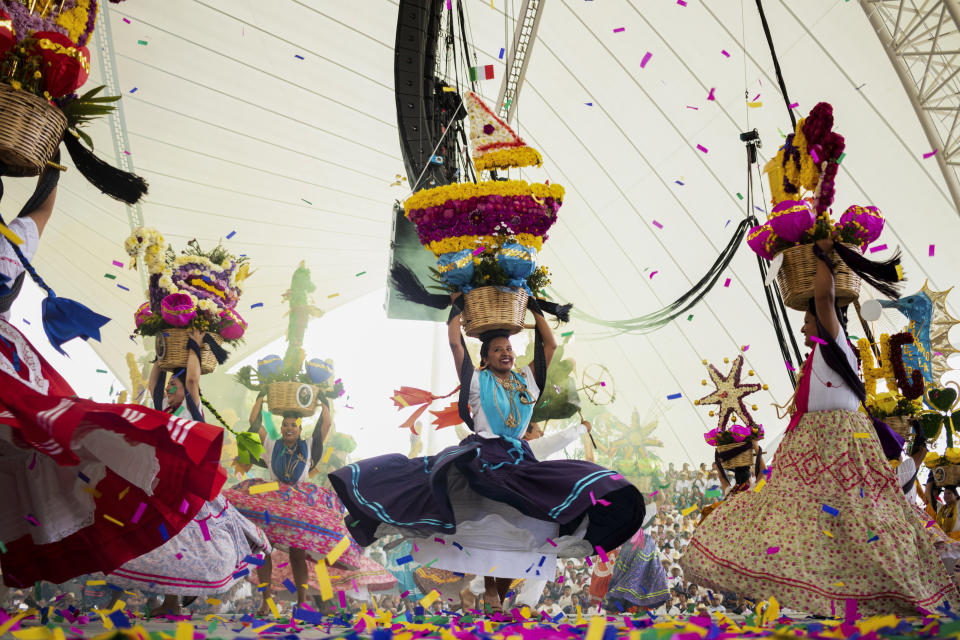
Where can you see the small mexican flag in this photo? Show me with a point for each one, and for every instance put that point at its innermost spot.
(481, 73)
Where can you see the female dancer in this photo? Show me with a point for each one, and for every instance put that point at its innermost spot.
(488, 506)
(831, 524)
(212, 553)
(301, 518)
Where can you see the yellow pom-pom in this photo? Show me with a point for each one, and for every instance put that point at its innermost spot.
(750, 372)
(766, 388)
(712, 414)
(703, 382)
(931, 460)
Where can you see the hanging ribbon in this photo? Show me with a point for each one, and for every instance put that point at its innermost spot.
(405, 397)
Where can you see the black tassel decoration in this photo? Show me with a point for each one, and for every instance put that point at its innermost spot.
(882, 276)
(561, 311)
(124, 186)
(410, 288)
(218, 352)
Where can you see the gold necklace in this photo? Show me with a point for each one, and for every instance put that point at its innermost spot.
(512, 386)
(291, 464)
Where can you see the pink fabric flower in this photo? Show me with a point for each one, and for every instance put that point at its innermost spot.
(867, 220)
(232, 326)
(711, 437)
(177, 309)
(791, 218)
(740, 432)
(760, 239)
(142, 314)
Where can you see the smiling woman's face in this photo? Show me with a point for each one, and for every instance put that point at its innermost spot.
(500, 356)
(290, 430)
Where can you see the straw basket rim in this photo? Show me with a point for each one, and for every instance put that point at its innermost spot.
(291, 396)
(490, 308)
(32, 130)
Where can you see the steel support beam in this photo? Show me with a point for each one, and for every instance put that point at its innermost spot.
(523, 38)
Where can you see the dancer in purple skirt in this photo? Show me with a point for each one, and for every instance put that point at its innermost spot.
(487, 506)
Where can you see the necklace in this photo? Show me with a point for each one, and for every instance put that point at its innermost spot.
(826, 383)
(516, 391)
(290, 462)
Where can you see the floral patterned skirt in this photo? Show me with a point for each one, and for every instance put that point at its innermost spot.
(302, 516)
(830, 525)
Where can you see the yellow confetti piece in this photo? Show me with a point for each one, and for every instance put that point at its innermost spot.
(688, 510)
(338, 550)
(596, 627)
(449, 89)
(429, 599)
(634, 635)
(258, 629)
(96, 583)
(579, 615)
(838, 584)
(333, 295)
(213, 602)
(326, 455)
(265, 487)
(131, 593)
(273, 608)
(827, 533)
(760, 485)
(92, 491)
(33, 633)
(755, 105)
(58, 634)
(123, 494)
(492, 568)
(14, 238)
(113, 520)
(861, 434)
(184, 631)
(119, 604)
(323, 580)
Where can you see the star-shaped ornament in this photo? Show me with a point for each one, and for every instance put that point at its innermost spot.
(729, 394)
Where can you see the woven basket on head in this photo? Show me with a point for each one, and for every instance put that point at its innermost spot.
(172, 351)
(797, 273)
(744, 459)
(901, 424)
(30, 131)
(947, 475)
(489, 308)
(292, 397)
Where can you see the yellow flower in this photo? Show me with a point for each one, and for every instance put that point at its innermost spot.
(458, 243)
(508, 158)
(75, 20)
(465, 190)
(931, 460)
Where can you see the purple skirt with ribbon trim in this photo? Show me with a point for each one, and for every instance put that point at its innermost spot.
(411, 493)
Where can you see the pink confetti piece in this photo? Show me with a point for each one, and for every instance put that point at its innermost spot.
(415, 548)
(139, 512)
(694, 108)
(703, 148)
(440, 540)
(653, 273)
(789, 366)
(772, 550)
(652, 494)
(817, 340)
(682, 3)
(204, 530)
(184, 506)
(619, 29)
(755, 98)
(794, 105)
(560, 580)
(711, 96)
(814, 155)
(551, 542)
(343, 599)
(603, 502)
(724, 52)
(646, 59)
(592, 499)
(127, 20)
(117, 263)
(745, 347)
(616, 476)
(281, 566)
(406, 593)
(36, 523)
(353, 582)
(879, 247)
(33, 461)
(178, 556)
(657, 225)
(589, 563)
(727, 282)
(930, 155)
(126, 152)
(932, 248)
(602, 554)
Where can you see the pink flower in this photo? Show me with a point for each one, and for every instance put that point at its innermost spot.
(740, 432)
(177, 309)
(711, 437)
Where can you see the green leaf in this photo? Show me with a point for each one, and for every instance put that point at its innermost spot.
(84, 137)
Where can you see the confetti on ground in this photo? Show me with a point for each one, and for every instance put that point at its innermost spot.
(879, 247)
(689, 317)
(657, 224)
(333, 295)
(646, 59)
(694, 108)
(338, 550)
(754, 105)
(361, 274)
(703, 148)
(619, 29)
(308, 202)
(930, 155)
(589, 104)
(127, 20)
(674, 396)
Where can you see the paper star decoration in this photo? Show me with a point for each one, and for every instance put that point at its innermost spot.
(729, 393)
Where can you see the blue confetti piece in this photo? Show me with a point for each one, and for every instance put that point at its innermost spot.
(298, 56)
(119, 620)
(134, 90)
(828, 509)
(25, 321)
(873, 539)
(256, 305)
(163, 532)
(83, 477)
(123, 287)
(726, 225)
(314, 617)
(458, 545)
(231, 234)
(542, 558)
(288, 583)
(674, 396)
(114, 587)
(861, 492)
(241, 573)
(254, 560)
(681, 184)
(501, 53)
(266, 517)
(404, 560)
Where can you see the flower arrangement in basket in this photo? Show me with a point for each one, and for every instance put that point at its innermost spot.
(903, 400)
(808, 162)
(298, 388)
(194, 290)
(44, 60)
(734, 443)
(944, 416)
(486, 236)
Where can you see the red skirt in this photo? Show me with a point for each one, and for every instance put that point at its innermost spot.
(89, 486)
